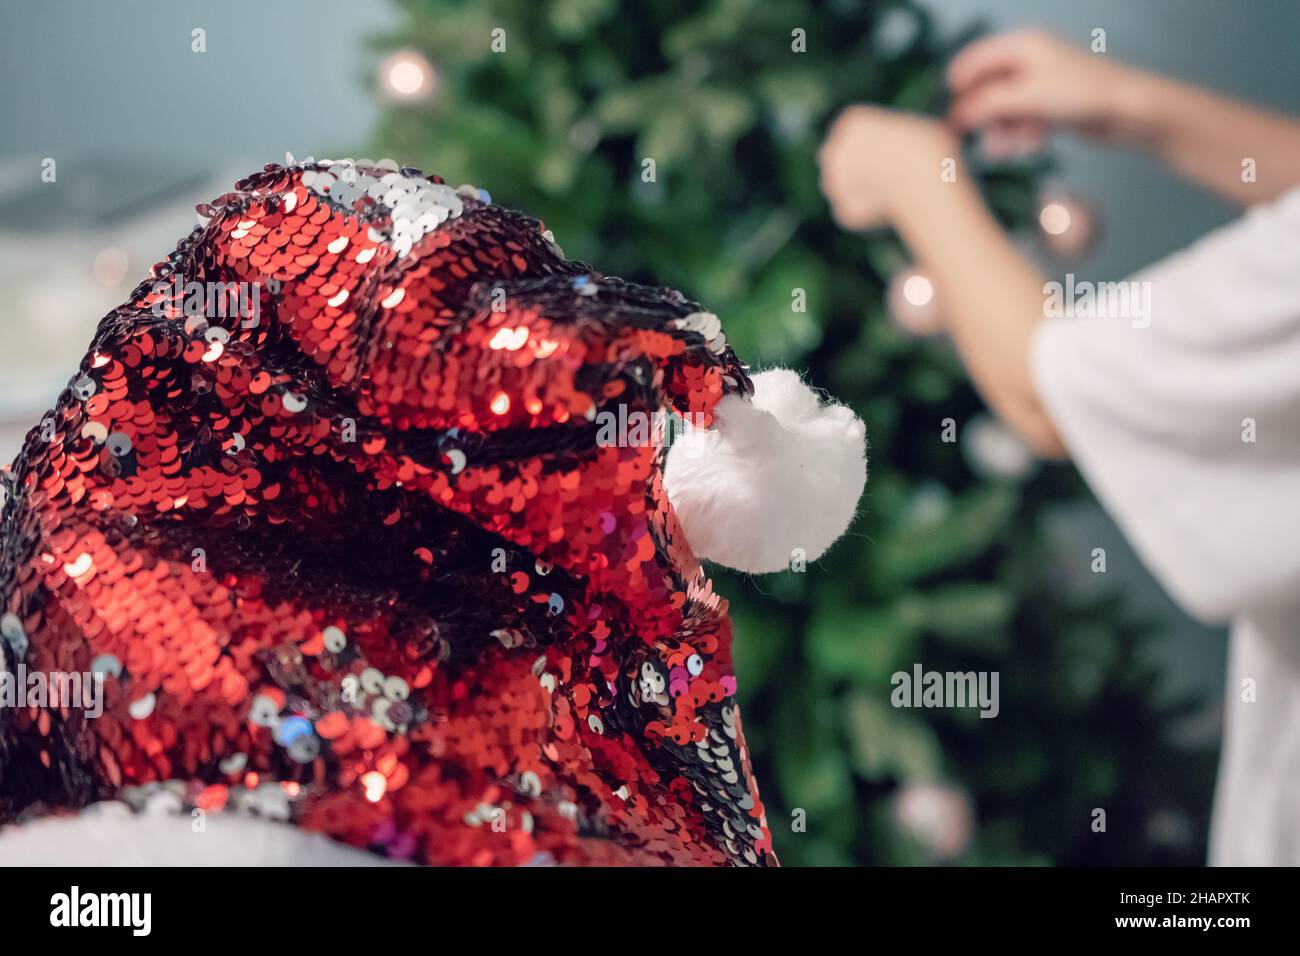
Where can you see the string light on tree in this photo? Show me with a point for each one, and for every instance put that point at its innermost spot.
(1067, 224)
(912, 302)
(406, 76)
(993, 451)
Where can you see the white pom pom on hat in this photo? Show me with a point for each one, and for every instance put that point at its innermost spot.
(776, 473)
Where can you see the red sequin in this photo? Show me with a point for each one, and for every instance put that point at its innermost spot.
(337, 528)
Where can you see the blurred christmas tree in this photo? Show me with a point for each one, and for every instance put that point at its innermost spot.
(674, 142)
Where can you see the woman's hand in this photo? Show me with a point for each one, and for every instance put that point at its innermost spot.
(1017, 87)
(875, 161)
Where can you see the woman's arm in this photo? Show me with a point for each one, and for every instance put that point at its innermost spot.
(885, 168)
(1018, 86)
(882, 168)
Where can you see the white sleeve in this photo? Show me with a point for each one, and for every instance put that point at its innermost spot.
(1181, 407)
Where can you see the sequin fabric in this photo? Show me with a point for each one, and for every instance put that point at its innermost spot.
(362, 551)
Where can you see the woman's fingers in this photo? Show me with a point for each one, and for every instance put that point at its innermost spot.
(1001, 101)
(987, 58)
(1031, 78)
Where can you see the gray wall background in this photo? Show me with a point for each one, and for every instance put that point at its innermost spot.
(118, 76)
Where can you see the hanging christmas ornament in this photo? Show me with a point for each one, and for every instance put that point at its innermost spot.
(938, 817)
(992, 450)
(929, 505)
(406, 76)
(912, 304)
(1067, 223)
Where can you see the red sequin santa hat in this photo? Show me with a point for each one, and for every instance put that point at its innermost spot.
(327, 518)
